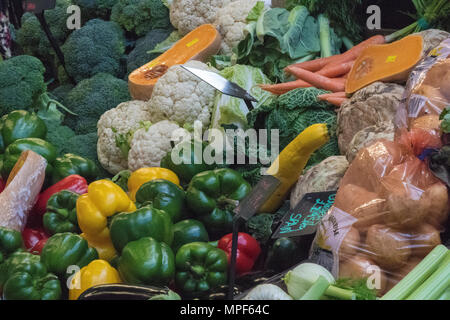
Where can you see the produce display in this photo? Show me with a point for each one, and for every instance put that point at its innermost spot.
(124, 176)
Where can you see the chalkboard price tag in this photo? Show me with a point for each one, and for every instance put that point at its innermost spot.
(303, 219)
(37, 6)
(257, 197)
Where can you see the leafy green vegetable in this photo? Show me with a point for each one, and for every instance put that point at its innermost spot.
(344, 15)
(230, 110)
(358, 287)
(445, 117)
(140, 16)
(440, 164)
(257, 10)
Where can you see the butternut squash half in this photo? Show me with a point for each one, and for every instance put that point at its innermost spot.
(387, 62)
(200, 44)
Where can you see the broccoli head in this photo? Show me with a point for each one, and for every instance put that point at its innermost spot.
(95, 8)
(139, 56)
(32, 38)
(141, 16)
(91, 98)
(21, 83)
(96, 47)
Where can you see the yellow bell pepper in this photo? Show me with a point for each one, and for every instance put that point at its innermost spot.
(103, 199)
(95, 273)
(143, 175)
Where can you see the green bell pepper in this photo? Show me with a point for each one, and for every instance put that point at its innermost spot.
(213, 195)
(188, 231)
(163, 194)
(147, 261)
(70, 164)
(21, 124)
(30, 286)
(10, 241)
(144, 222)
(41, 147)
(200, 267)
(66, 249)
(61, 215)
(21, 261)
(186, 160)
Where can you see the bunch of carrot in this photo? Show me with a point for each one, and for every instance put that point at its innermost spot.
(328, 73)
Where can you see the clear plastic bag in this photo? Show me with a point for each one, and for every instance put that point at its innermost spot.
(427, 91)
(388, 214)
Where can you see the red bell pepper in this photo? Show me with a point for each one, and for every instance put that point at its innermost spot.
(248, 251)
(74, 183)
(34, 239)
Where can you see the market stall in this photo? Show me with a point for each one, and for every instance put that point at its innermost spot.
(232, 149)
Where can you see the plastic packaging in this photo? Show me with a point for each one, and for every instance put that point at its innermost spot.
(388, 214)
(427, 91)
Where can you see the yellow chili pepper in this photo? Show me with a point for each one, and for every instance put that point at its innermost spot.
(103, 199)
(95, 273)
(143, 175)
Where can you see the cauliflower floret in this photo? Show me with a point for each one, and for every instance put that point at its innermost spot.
(115, 130)
(150, 145)
(181, 97)
(231, 21)
(186, 15)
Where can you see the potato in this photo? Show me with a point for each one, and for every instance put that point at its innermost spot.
(445, 84)
(405, 212)
(437, 196)
(358, 266)
(374, 162)
(350, 244)
(423, 240)
(366, 206)
(390, 249)
(436, 102)
(427, 122)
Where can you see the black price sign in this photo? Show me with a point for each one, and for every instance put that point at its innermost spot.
(37, 6)
(303, 219)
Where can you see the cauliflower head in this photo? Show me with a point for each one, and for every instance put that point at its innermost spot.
(186, 15)
(116, 128)
(150, 145)
(231, 21)
(181, 97)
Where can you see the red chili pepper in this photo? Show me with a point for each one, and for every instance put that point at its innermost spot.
(248, 251)
(2, 185)
(73, 183)
(34, 239)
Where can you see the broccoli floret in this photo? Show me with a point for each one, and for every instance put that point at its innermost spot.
(60, 93)
(95, 8)
(21, 83)
(58, 136)
(139, 56)
(91, 98)
(141, 16)
(32, 38)
(97, 47)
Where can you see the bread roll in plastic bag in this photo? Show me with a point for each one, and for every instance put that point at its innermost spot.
(427, 91)
(388, 214)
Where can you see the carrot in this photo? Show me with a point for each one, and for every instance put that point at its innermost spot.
(321, 82)
(334, 94)
(282, 88)
(336, 70)
(352, 54)
(336, 101)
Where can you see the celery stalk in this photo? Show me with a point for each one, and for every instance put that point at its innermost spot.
(418, 275)
(316, 291)
(445, 295)
(435, 285)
